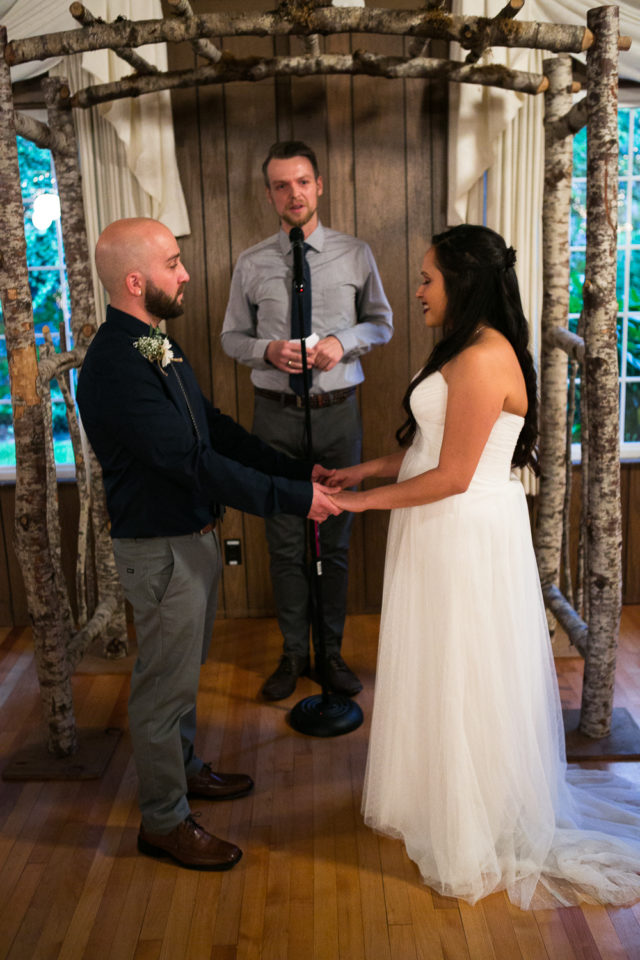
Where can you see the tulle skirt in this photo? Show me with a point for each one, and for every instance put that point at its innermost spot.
(466, 760)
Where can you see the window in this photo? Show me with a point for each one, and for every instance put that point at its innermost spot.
(628, 268)
(49, 293)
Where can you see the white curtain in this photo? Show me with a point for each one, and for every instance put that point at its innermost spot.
(29, 18)
(109, 189)
(127, 147)
(143, 124)
(500, 132)
(479, 115)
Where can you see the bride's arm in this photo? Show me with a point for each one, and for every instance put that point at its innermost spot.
(476, 394)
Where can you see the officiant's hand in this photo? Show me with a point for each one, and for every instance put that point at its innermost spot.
(326, 353)
(322, 506)
(286, 355)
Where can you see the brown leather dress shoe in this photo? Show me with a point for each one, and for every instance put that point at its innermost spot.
(218, 786)
(340, 677)
(282, 681)
(191, 846)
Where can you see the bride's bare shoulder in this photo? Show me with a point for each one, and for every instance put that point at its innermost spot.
(489, 353)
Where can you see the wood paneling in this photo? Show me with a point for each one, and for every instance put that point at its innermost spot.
(630, 499)
(13, 602)
(379, 134)
(7, 598)
(631, 534)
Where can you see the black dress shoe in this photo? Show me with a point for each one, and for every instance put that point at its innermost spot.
(191, 846)
(282, 681)
(340, 678)
(218, 786)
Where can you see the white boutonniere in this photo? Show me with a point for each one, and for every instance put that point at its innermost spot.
(157, 349)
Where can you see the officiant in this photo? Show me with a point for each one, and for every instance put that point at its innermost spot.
(349, 314)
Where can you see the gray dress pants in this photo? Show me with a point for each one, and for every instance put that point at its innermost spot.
(337, 442)
(172, 585)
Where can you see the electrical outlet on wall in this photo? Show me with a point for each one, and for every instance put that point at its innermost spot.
(232, 553)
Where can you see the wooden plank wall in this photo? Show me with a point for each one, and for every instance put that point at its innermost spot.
(381, 147)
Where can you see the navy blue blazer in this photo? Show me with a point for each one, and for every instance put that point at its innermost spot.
(163, 475)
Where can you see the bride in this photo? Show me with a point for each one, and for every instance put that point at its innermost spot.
(466, 761)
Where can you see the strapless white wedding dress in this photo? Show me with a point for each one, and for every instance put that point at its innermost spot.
(466, 760)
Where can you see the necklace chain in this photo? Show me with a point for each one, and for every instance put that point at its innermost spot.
(186, 400)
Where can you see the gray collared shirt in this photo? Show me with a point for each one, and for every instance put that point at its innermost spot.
(348, 302)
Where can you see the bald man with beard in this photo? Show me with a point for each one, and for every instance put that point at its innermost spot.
(170, 462)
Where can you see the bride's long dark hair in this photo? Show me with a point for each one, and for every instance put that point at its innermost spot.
(482, 290)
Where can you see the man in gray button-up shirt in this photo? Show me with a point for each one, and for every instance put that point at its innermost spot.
(350, 314)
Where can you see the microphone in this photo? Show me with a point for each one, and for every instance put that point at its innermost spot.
(296, 238)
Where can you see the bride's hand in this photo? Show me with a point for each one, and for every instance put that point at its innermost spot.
(346, 477)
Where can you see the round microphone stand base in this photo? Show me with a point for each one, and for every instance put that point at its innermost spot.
(326, 715)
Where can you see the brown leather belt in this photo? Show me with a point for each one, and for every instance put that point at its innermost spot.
(316, 400)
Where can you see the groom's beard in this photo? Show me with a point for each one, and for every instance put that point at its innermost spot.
(160, 304)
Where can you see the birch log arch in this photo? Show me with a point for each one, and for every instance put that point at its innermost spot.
(58, 641)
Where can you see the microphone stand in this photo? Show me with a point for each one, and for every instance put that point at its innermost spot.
(328, 714)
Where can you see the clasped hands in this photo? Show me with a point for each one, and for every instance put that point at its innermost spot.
(286, 355)
(328, 486)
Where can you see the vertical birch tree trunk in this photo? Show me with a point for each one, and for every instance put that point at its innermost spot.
(582, 593)
(555, 309)
(83, 325)
(54, 537)
(30, 534)
(566, 507)
(604, 525)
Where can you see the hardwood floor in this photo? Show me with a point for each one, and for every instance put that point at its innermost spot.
(314, 883)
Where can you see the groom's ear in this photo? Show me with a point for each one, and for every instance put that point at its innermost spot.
(134, 282)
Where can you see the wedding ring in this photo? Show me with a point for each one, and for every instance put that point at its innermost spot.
(289, 364)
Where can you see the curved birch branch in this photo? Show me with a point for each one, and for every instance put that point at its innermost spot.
(56, 364)
(571, 343)
(568, 125)
(511, 10)
(182, 8)
(299, 19)
(42, 135)
(574, 626)
(33, 130)
(360, 62)
(84, 17)
(97, 626)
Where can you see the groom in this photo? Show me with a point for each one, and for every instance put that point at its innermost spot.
(170, 461)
